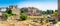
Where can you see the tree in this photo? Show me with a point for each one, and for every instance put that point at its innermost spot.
(56, 10)
(22, 11)
(43, 12)
(49, 11)
(9, 11)
(56, 13)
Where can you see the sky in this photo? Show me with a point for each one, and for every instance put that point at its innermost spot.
(40, 4)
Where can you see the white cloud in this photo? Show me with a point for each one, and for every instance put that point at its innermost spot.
(40, 6)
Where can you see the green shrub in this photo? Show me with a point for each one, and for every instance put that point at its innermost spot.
(23, 16)
(9, 11)
(5, 16)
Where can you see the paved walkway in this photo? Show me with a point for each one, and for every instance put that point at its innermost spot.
(58, 24)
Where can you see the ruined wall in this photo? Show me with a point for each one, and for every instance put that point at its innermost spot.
(16, 11)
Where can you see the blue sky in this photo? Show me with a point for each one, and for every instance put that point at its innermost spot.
(40, 4)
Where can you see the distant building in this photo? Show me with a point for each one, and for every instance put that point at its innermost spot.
(2, 9)
(31, 11)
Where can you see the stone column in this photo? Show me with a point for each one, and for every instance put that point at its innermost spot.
(59, 9)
